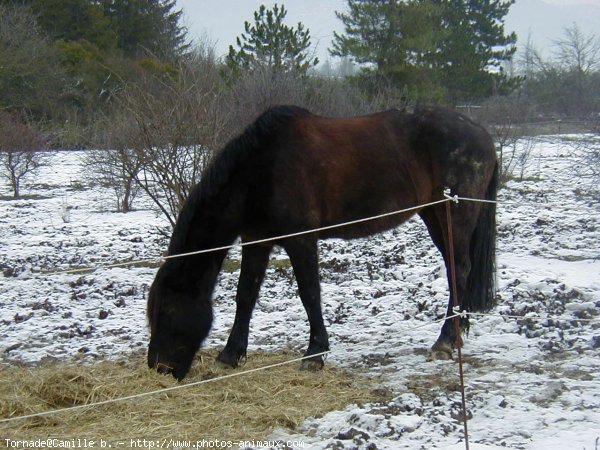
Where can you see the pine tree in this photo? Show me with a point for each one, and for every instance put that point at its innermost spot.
(392, 35)
(270, 43)
(457, 46)
(471, 56)
(136, 27)
(394, 40)
(146, 26)
(71, 20)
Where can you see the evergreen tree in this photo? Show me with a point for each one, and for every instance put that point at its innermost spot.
(146, 26)
(271, 44)
(457, 46)
(136, 27)
(471, 56)
(75, 20)
(394, 40)
(392, 34)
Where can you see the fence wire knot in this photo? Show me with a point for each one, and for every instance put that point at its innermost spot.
(447, 192)
(457, 312)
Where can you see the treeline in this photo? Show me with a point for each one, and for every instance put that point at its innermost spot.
(62, 60)
(120, 75)
(565, 83)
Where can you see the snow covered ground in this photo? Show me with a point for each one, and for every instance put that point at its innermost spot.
(532, 382)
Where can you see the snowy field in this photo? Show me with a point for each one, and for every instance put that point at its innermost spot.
(532, 381)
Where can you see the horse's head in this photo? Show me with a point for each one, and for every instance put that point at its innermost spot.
(179, 322)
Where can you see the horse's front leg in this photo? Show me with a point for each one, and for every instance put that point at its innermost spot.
(255, 259)
(305, 262)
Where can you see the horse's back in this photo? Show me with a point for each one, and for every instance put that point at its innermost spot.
(330, 170)
(317, 171)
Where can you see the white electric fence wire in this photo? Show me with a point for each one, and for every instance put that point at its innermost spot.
(244, 244)
(447, 197)
(184, 386)
(457, 313)
(535, 318)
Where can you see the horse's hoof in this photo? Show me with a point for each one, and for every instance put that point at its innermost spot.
(441, 351)
(313, 364)
(437, 355)
(227, 360)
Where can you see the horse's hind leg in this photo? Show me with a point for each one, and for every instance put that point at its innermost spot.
(255, 259)
(305, 262)
(463, 225)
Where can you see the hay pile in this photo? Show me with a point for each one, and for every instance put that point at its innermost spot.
(243, 407)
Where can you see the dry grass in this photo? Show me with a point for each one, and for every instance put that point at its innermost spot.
(243, 407)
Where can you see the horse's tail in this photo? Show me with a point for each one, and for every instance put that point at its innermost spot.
(480, 294)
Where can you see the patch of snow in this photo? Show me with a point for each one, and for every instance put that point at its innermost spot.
(531, 382)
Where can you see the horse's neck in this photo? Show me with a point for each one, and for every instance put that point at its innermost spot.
(196, 238)
(193, 276)
(203, 226)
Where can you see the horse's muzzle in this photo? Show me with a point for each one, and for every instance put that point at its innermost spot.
(154, 362)
(163, 369)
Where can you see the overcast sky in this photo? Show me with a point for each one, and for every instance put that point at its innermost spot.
(221, 21)
(574, 2)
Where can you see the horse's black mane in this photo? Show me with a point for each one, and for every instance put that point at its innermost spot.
(240, 148)
(234, 153)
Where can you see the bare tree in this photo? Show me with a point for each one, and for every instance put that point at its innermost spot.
(506, 120)
(587, 149)
(565, 84)
(258, 89)
(20, 150)
(115, 170)
(30, 64)
(576, 51)
(167, 127)
(530, 60)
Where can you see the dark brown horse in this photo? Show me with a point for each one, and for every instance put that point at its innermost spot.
(291, 171)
